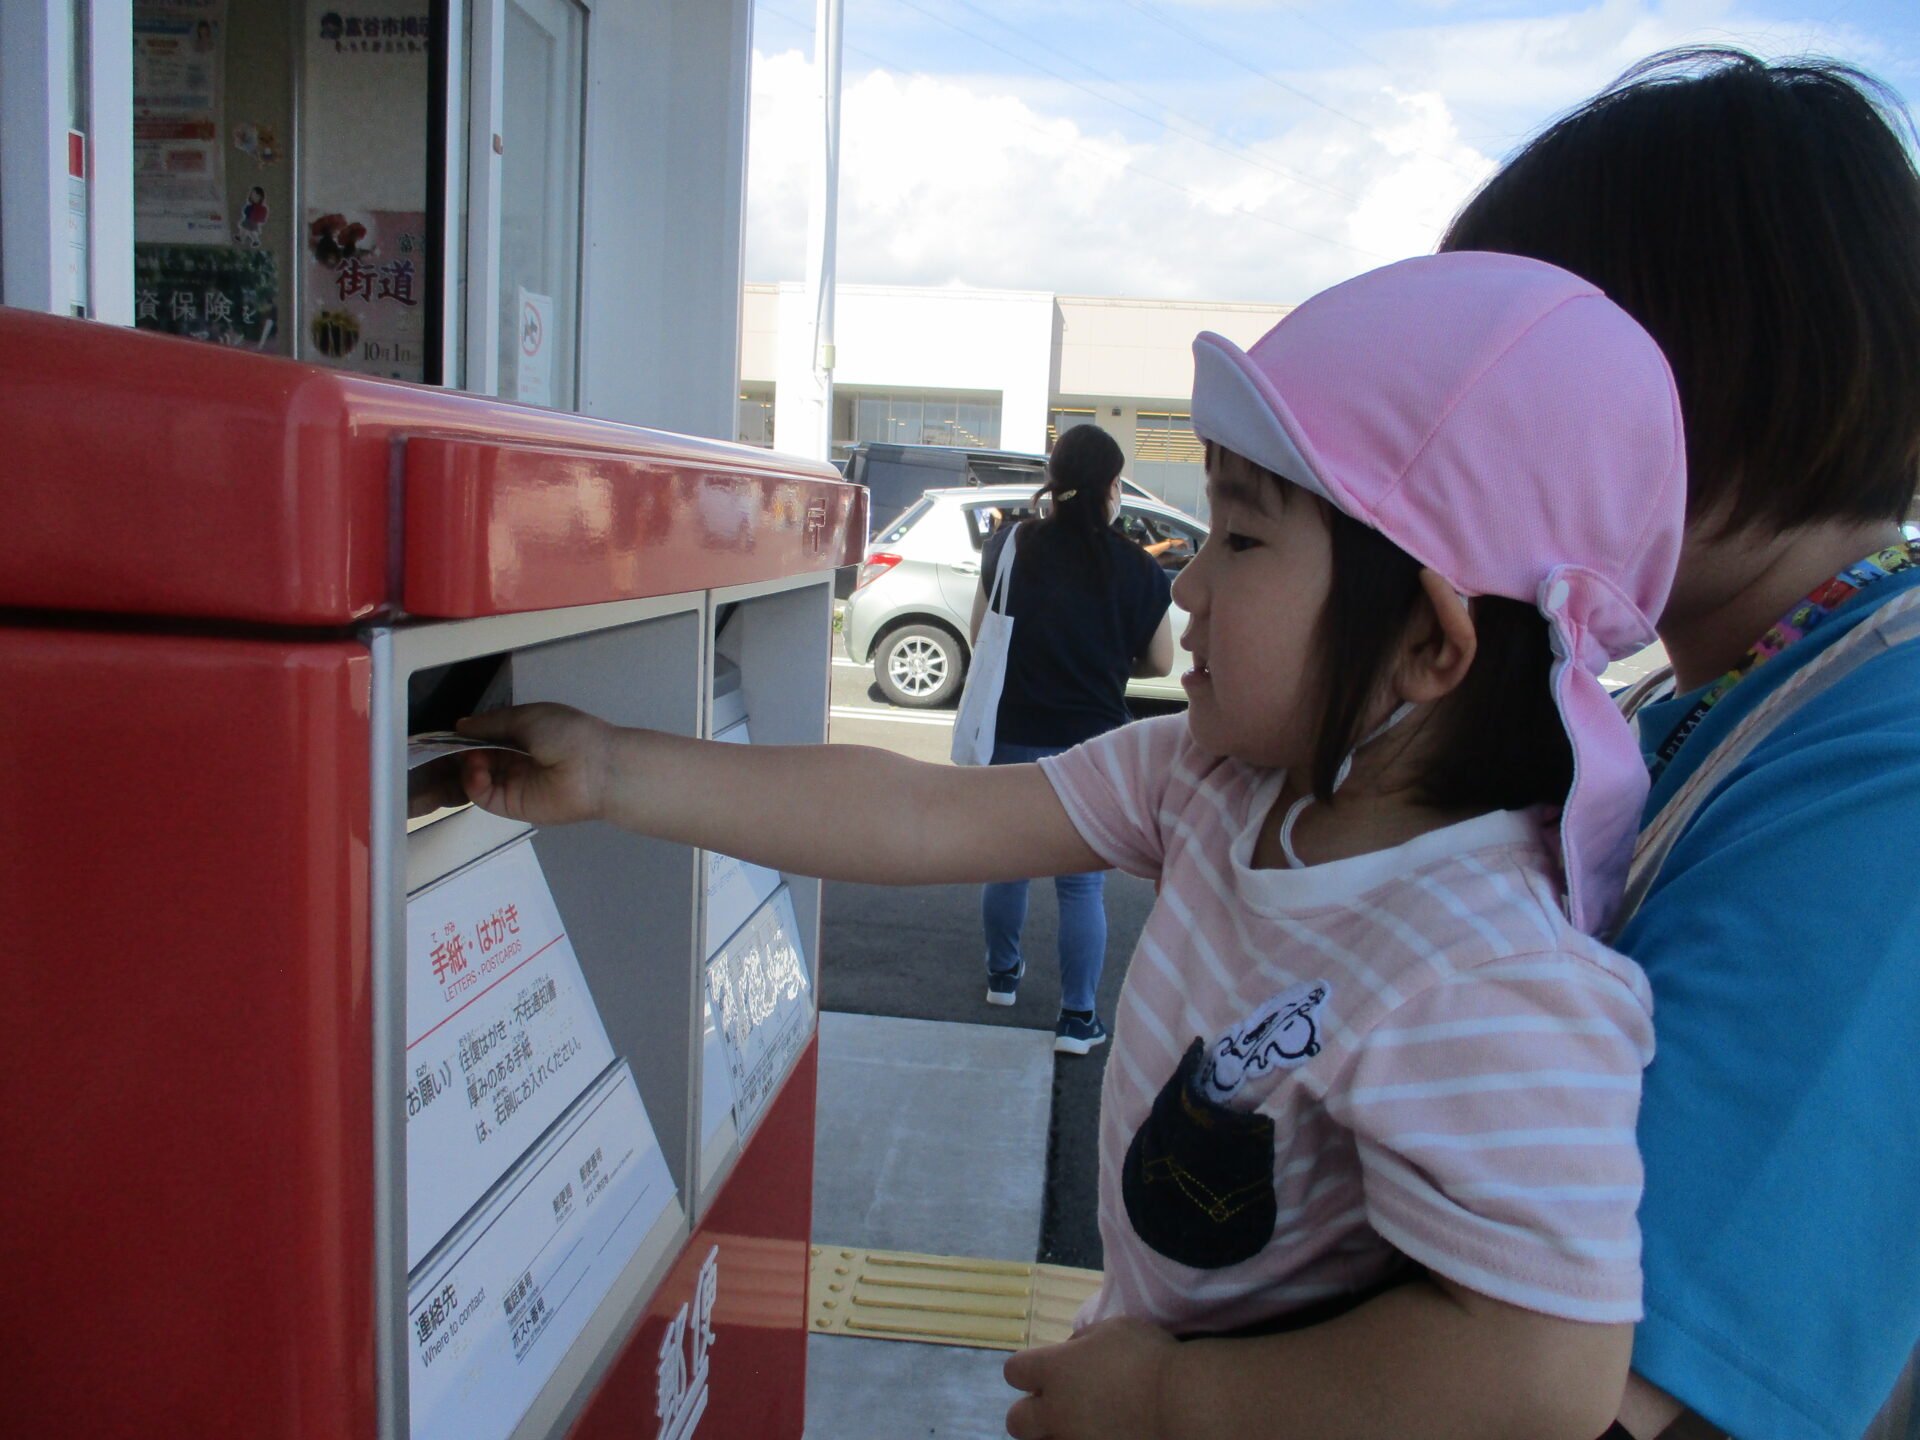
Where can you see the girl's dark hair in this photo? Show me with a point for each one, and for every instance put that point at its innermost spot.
(1081, 470)
(1762, 221)
(1501, 744)
(1500, 741)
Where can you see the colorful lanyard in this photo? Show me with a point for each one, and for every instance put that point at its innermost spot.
(1802, 619)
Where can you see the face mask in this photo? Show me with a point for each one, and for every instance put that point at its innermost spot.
(1113, 506)
(1294, 862)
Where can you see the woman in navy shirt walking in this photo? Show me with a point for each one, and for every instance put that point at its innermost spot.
(1090, 610)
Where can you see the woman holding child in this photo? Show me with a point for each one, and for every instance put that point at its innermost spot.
(1763, 222)
(1373, 1062)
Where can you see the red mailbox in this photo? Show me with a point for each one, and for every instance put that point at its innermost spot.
(326, 1122)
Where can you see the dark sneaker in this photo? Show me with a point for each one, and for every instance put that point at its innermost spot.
(1003, 987)
(1076, 1032)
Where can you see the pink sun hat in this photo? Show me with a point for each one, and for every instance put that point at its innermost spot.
(1516, 432)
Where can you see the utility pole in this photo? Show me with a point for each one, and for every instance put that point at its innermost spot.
(822, 217)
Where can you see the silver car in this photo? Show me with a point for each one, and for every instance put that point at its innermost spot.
(910, 609)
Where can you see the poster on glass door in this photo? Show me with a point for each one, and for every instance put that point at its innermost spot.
(179, 173)
(366, 274)
(533, 368)
(367, 268)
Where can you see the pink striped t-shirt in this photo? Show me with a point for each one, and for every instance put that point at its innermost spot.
(1450, 1069)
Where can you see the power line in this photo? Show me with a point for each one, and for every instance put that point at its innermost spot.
(1341, 38)
(1234, 152)
(1334, 35)
(1095, 154)
(1198, 39)
(1231, 151)
(1108, 100)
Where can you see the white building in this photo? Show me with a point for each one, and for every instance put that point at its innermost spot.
(1004, 369)
(375, 188)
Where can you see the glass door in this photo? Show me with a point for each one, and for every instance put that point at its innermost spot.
(528, 85)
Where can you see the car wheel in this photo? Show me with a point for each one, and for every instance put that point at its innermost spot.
(919, 666)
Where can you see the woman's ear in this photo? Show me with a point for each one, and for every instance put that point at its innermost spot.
(1439, 646)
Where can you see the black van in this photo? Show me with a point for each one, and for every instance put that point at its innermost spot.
(897, 475)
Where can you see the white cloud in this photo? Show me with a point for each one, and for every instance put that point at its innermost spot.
(985, 181)
(1434, 174)
(1543, 64)
(943, 182)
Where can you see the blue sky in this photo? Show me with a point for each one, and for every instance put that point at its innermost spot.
(1220, 149)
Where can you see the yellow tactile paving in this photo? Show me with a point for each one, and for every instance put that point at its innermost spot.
(943, 1300)
(1058, 1293)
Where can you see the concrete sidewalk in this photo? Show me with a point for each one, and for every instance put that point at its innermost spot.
(916, 952)
(932, 1138)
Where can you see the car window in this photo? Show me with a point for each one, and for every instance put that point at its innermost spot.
(1132, 526)
(905, 523)
(1001, 472)
(1172, 542)
(983, 520)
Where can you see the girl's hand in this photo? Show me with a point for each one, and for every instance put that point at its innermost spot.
(562, 778)
(1103, 1384)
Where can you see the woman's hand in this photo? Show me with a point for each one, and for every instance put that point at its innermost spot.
(562, 778)
(1103, 1384)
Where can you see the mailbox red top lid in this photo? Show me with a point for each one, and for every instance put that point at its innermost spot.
(147, 475)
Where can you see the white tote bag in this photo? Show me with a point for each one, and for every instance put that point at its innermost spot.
(980, 701)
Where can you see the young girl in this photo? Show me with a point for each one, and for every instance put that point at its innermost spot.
(1367, 1045)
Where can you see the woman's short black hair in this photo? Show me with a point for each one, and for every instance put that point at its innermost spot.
(1500, 743)
(1762, 221)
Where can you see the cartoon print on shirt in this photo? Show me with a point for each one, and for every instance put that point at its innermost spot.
(1279, 1035)
(1197, 1181)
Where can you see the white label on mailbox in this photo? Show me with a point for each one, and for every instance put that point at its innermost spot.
(762, 1005)
(735, 888)
(502, 1034)
(492, 1316)
(716, 1078)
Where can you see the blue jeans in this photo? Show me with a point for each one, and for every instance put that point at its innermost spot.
(1083, 912)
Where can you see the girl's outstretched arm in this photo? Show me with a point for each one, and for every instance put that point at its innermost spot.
(1427, 1361)
(841, 812)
